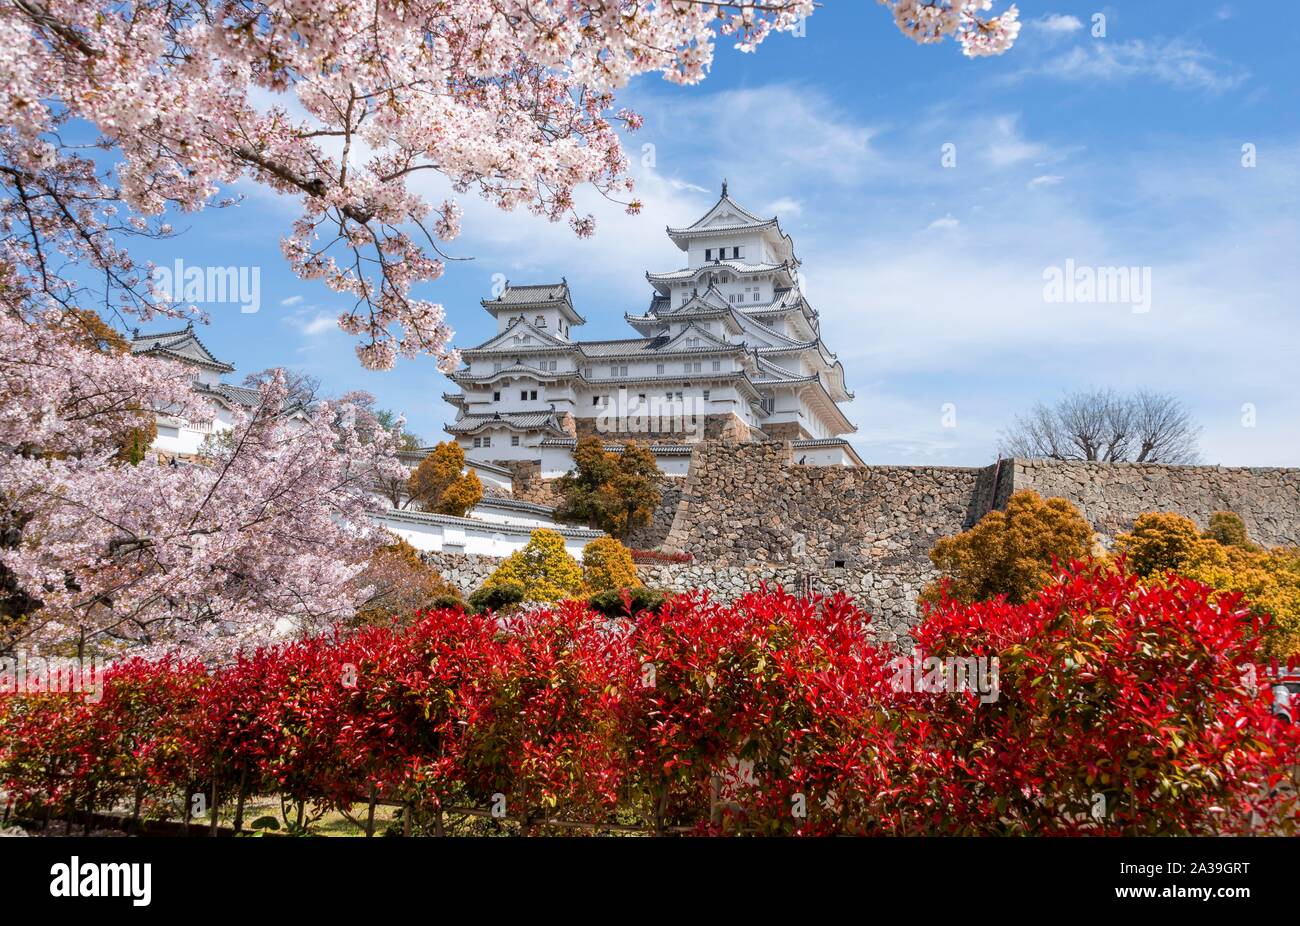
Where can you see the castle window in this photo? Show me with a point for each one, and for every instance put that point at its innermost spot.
(706, 395)
(659, 368)
(496, 397)
(708, 253)
(478, 442)
(618, 371)
(532, 394)
(717, 365)
(514, 440)
(487, 441)
(692, 367)
(540, 321)
(523, 395)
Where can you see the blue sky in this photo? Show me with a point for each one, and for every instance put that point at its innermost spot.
(1122, 150)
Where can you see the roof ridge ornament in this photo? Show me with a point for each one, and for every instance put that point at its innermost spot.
(724, 186)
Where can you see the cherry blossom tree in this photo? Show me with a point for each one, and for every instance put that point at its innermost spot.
(341, 104)
(117, 116)
(263, 540)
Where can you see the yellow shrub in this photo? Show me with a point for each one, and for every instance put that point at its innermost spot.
(1160, 541)
(1269, 579)
(543, 568)
(1011, 552)
(461, 495)
(437, 484)
(607, 564)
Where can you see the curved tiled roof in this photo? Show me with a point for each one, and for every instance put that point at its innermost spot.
(738, 266)
(640, 347)
(183, 345)
(512, 504)
(429, 517)
(515, 369)
(237, 395)
(666, 450)
(536, 295)
(530, 421)
(737, 219)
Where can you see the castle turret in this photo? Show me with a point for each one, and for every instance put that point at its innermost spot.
(728, 346)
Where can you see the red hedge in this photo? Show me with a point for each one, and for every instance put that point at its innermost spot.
(1120, 708)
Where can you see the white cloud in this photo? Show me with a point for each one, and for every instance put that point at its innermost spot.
(292, 300)
(312, 323)
(1005, 146)
(1045, 180)
(820, 143)
(785, 207)
(1175, 62)
(946, 223)
(1058, 23)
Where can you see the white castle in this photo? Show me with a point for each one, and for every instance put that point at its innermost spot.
(179, 436)
(729, 347)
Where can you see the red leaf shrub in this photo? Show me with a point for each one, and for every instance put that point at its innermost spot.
(63, 753)
(1123, 708)
(1119, 708)
(656, 556)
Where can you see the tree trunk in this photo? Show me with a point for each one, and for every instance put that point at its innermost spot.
(661, 810)
(212, 830)
(370, 814)
(139, 802)
(239, 801)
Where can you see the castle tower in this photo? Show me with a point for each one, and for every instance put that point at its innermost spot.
(728, 347)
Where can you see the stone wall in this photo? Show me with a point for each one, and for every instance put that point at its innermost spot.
(747, 514)
(528, 485)
(1111, 495)
(887, 593)
(746, 504)
(652, 536)
(463, 570)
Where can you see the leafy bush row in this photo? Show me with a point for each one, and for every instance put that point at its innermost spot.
(773, 714)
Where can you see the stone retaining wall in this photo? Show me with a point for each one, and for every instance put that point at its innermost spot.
(1111, 495)
(466, 571)
(747, 514)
